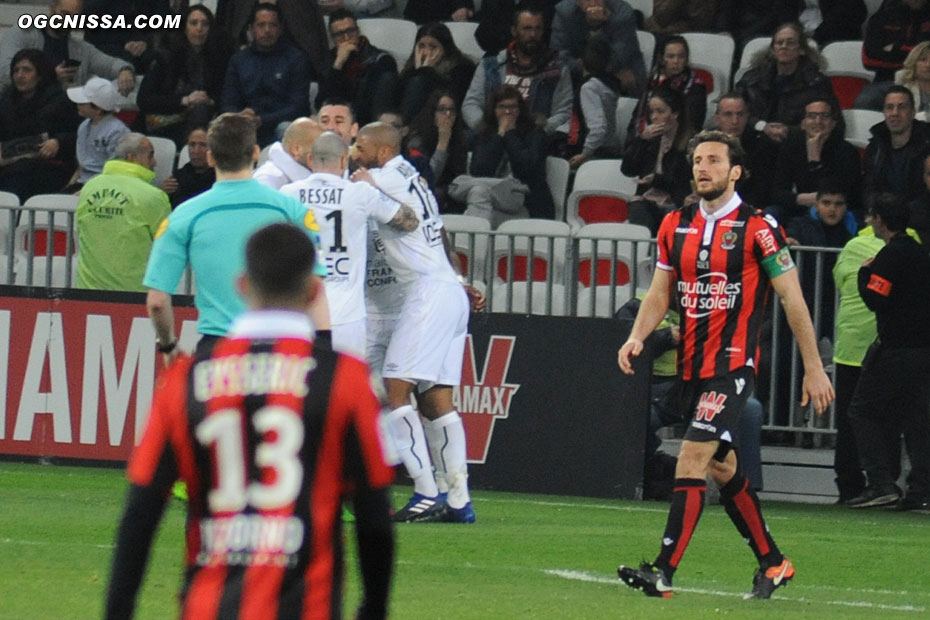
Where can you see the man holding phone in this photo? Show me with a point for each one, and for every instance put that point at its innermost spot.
(75, 60)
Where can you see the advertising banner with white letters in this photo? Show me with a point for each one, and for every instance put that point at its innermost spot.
(545, 408)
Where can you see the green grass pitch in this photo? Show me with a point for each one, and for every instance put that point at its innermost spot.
(528, 556)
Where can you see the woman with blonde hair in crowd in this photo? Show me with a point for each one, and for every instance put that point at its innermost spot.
(915, 76)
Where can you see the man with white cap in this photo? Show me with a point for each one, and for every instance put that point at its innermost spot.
(97, 136)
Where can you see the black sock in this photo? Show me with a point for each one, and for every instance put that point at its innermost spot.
(683, 515)
(742, 505)
(324, 339)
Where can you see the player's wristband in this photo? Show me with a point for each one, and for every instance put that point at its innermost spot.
(167, 347)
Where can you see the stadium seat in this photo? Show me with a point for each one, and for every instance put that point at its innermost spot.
(711, 57)
(9, 202)
(845, 70)
(647, 45)
(165, 150)
(600, 194)
(557, 175)
(610, 253)
(548, 254)
(596, 301)
(752, 46)
(43, 225)
(643, 6)
(470, 238)
(395, 36)
(463, 33)
(858, 124)
(184, 156)
(520, 298)
(626, 107)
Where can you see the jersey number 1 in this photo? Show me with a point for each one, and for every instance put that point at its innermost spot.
(223, 430)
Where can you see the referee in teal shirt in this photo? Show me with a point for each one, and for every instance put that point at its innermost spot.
(210, 232)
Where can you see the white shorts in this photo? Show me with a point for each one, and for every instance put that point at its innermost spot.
(350, 338)
(379, 336)
(429, 339)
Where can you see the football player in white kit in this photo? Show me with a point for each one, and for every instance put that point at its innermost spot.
(427, 343)
(342, 209)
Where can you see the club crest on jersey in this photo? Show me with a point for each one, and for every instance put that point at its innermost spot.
(728, 240)
(482, 400)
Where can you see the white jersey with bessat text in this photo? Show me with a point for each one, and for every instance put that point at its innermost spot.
(417, 254)
(342, 209)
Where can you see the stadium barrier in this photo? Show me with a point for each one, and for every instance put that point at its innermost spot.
(78, 370)
(539, 274)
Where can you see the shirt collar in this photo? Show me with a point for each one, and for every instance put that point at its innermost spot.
(732, 205)
(272, 324)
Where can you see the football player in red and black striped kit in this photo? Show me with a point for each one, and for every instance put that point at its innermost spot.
(269, 434)
(720, 258)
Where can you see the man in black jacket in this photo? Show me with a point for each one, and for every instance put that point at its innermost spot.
(894, 157)
(357, 71)
(893, 393)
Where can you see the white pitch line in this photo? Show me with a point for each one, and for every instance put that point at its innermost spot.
(575, 575)
(43, 543)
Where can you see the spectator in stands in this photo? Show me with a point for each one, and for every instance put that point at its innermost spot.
(530, 66)
(98, 135)
(361, 8)
(302, 21)
(185, 82)
(673, 69)
(597, 104)
(510, 143)
(496, 18)
(915, 76)
(674, 16)
(657, 158)
(357, 71)
(810, 154)
(892, 31)
(270, 79)
(435, 63)
(35, 113)
(437, 134)
(919, 208)
(194, 177)
(827, 224)
(576, 21)
(426, 11)
(132, 44)
(118, 216)
(337, 115)
(288, 159)
(782, 78)
(831, 20)
(895, 154)
(732, 118)
(74, 59)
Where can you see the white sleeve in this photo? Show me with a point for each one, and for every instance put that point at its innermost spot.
(379, 205)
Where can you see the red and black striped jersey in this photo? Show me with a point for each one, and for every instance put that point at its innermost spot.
(268, 435)
(723, 263)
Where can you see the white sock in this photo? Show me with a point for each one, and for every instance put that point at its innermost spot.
(436, 438)
(447, 443)
(411, 446)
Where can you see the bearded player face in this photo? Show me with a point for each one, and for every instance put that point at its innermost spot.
(713, 174)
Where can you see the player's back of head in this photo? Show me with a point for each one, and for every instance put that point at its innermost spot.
(279, 259)
(231, 140)
(328, 148)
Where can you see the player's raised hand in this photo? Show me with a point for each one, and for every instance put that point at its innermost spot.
(818, 390)
(630, 349)
(362, 174)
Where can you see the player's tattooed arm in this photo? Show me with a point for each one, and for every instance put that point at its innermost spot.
(405, 219)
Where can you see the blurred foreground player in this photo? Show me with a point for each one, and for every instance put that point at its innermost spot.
(720, 258)
(268, 432)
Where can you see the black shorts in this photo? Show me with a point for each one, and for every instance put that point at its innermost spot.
(716, 405)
